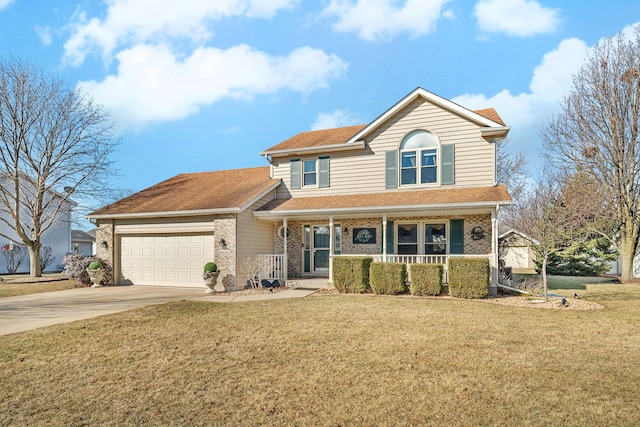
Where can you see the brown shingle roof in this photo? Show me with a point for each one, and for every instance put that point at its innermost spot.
(227, 189)
(318, 138)
(392, 199)
(325, 137)
(491, 114)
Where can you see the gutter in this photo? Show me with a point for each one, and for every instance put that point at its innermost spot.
(375, 209)
(357, 145)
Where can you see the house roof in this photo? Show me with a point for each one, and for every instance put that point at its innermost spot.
(81, 236)
(345, 136)
(513, 231)
(491, 114)
(318, 138)
(389, 201)
(196, 193)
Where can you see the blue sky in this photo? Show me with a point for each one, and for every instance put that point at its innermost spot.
(199, 85)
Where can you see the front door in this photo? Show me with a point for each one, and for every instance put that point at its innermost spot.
(320, 250)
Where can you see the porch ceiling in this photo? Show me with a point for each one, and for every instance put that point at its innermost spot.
(391, 202)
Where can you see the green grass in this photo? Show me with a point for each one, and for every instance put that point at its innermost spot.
(332, 360)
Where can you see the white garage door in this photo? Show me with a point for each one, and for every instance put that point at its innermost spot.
(167, 260)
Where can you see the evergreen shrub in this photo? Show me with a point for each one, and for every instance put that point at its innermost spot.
(388, 278)
(469, 277)
(351, 274)
(426, 279)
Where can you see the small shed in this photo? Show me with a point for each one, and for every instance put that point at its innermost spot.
(516, 251)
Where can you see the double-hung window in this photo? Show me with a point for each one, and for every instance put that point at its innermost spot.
(419, 158)
(309, 173)
(435, 239)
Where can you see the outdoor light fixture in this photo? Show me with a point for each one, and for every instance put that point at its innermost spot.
(345, 230)
(222, 244)
(105, 244)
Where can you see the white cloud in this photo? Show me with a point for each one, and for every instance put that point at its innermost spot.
(528, 112)
(5, 3)
(44, 33)
(336, 119)
(379, 19)
(143, 21)
(519, 18)
(152, 84)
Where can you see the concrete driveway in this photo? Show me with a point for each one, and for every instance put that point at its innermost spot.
(27, 312)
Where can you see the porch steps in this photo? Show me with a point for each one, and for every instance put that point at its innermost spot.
(309, 283)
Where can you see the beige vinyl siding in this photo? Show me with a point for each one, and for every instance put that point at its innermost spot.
(164, 225)
(253, 236)
(364, 171)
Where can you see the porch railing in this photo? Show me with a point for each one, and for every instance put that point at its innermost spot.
(272, 266)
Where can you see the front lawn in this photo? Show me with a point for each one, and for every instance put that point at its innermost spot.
(332, 360)
(13, 286)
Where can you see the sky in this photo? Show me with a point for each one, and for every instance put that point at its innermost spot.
(203, 85)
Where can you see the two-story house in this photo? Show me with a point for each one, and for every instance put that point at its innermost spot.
(417, 184)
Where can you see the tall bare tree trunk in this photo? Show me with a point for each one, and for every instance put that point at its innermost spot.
(627, 254)
(34, 257)
(545, 284)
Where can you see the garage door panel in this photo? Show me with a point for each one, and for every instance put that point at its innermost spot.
(170, 260)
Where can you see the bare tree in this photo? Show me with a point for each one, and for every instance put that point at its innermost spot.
(253, 269)
(598, 132)
(54, 143)
(510, 167)
(13, 255)
(46, 257)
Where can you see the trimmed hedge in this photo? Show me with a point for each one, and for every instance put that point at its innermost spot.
(388, 278)
(426, 279)
(351, 274)
(469, 277)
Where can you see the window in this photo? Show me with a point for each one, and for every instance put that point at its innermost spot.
(407, 239)
(432, 238)
(435, 239)
(309, 173)
(422, 145)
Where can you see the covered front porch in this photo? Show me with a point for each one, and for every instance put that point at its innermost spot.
(304, 248)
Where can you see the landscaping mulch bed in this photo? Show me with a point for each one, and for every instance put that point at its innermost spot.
(552, 303)
(518, 301)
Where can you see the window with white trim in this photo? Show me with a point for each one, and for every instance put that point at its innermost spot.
(421, 239)
(309, 175)
(419, 158)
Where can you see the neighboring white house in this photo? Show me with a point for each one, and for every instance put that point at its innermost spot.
(516, 251)
(417, 184)
(57, 237)
(82, 243)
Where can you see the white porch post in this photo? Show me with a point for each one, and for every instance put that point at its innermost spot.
(493, 290)
(285, 261)
(332, 245)
(384, 238)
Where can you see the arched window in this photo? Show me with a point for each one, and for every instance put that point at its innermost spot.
(419, 158)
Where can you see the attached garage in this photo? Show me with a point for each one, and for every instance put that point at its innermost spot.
(165, 234)
(165, 259)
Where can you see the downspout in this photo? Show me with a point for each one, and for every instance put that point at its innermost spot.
(384, 238)
(493, 289)
(285, 257)
(332, 245)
